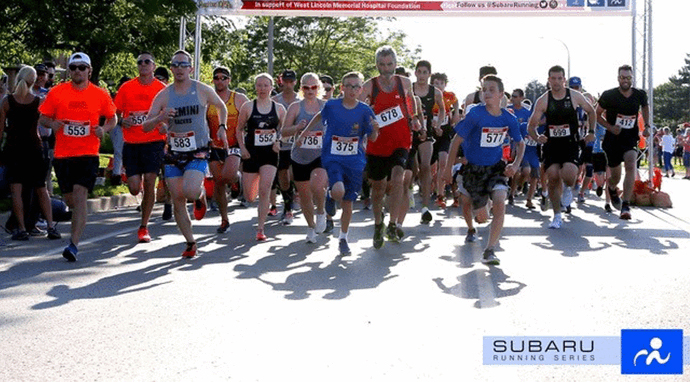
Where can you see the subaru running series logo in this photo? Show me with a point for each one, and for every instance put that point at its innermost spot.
(647, 351)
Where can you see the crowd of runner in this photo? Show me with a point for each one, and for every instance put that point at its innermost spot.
(376, 139)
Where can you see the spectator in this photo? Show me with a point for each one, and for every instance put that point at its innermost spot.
(686, 152)
(667, 145)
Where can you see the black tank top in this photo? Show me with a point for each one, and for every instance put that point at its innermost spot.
(262, 122)
(561, 119)
(428, 102)
(476, 99)
(22, 128)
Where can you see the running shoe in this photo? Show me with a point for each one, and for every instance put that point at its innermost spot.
(456, 202)
(143, 235)
(608, 208)
(615, 199)
(320, 223)
(378, 235)
(235, 190)
(35, 231)
(167, 211)
(343, 248)
(426, 216)
(471, 235)
(529, 205)
(260, 236)
(20, 235)
(567, 196)
(244, 203)
(490, 258)
(580, 198)
(410, 199)
(511, 199)
(399, 232)
(273, 211)
(441, 202)
(311, 235)
(200, 208)
(70, 252)
(557, 222)
(329, 226)
(53, 233)
(544, 203)
(224, 225)
(625, 211)
(190, 251)
(367, 203)
(600, 191)
(391, 233)
(330, 205)
(287, 218)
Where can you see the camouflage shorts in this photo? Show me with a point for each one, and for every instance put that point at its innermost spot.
(480, 181)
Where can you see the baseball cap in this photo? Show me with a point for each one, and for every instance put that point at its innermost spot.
(326, 79)
(161, 72)
(289, 74)
(79, 58)
(40, 68)
(574, 82)
(221, 69)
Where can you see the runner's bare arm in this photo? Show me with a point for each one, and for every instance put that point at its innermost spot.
(645, 117)
(314, 121)
(212, 98)
(366, 92)
(535, 118)
(452, 154)
(245, 111)
(289, 127)
(158, 113)
(4, 108)
(373, 136)
(438, 97)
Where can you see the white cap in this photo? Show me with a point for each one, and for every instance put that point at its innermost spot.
(79, 58)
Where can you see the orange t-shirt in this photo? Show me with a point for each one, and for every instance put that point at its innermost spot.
(79, 110)
(231, 123)
(135, 99)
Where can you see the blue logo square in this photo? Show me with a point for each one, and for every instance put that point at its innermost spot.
(616, 3)
(576, 3)
(596, 3)
(652, 351)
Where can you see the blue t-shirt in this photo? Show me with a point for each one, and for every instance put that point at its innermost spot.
(484, 134)
(342, 124)
(599, 134)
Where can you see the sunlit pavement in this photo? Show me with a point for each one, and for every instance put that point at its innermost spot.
(285, 310)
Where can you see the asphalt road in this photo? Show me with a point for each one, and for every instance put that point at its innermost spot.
(285, 310)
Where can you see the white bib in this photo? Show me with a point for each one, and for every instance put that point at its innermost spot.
(235, 151)
(344, 145)
(559, 131)
(493, 136)
(625, 121)
(313, 140)
(77, 129)
(389, 116)
(138, 117)
(264, 137)
(442, 123)
(529, 141)
(184, 142)
(288, 140)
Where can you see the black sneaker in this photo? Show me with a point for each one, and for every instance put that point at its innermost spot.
(20, 235)
(615, 199)
(511, 199)
(224, 225)
(399, 232)
(490, 258)
(378, 235)
(167, 211)
(329, 226)
(426, 217)
(70, 253)
(625, 211)
(471, 235)
(391, 233)
(53, 234)
(608, 208)
(600, 191)
(37, 232)
(343, 248)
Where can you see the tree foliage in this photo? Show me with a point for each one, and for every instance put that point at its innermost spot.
(672, 99)
(534, 90)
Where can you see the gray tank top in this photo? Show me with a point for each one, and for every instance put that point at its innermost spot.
(189, 122)
(309, 153)
(279, 98)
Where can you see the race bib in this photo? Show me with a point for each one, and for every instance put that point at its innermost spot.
(138, 117)
(529, 141)
(313, 140)
(264, 137)
(344, 145)
(625, 121)
(184, 142)
(444, 122)
(235, 151)
(559, 131)
(77, 129)
(288, 140)
(493, 136)
(389, 116)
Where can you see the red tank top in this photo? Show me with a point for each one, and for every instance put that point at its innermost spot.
(392, 111)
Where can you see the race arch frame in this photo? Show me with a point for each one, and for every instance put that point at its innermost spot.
(640, 12)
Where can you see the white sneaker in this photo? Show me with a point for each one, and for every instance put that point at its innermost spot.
(311, 235)
(320, 223)
(557, 222)
(567, 196)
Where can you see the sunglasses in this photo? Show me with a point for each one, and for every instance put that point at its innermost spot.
(515, 96)
(220, 78)
(50, 75)
(313, 87)
(144, 61)
(328, 89)
(353, 86)
(625, 77)
(180, 64)
(80, 67)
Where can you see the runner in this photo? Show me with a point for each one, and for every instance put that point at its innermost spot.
(142, 153)
(224, 162)
(72, 109)
(162, 75)
(560, 147)
(423, 142)
(348, 122)
(621, 106)
(25, 163)
(485, 176)
(261, 119)
(442, 142)
(328, 91)
(476, 97)
(529, 168)
(286, 97)
(391, 98)
(182, 107)
(310, 178)
(586, 167)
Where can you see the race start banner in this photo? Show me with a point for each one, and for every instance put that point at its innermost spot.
(418, 8)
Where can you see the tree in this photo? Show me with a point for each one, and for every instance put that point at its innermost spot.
(672, 99)
(100, 28)
(534, 90)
